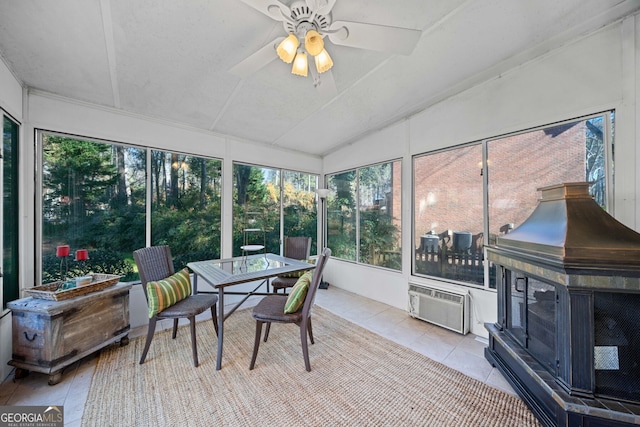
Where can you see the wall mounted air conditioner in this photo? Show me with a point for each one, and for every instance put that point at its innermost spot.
(442, 307)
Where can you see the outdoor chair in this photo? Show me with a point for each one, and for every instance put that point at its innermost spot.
(298, 248)
(155, 265)
(272, 309)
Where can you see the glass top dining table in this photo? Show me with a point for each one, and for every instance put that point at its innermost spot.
(224, 273)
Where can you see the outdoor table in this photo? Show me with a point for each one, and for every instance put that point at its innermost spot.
(222, 273)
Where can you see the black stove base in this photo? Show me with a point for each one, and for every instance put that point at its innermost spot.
(550, 402)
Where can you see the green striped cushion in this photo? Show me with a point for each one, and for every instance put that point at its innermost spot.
(298, 274)
(165, 293)
(298, 293)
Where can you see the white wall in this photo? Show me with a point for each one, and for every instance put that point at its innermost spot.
(11, 103)
(596, 73)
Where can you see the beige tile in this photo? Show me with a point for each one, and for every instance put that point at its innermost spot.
(496, 380)
(472, 345)
(469, 364)
(432, 347)
(7, 390)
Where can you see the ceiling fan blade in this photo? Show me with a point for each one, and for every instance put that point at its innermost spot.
(256, 61)
(327, 85)
(272, 8)
(324, 83)
(321, 7)
(374, 37)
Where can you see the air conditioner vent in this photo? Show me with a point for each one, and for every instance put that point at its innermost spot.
(446, 308)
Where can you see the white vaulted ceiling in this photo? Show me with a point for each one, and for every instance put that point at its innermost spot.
(170, 60)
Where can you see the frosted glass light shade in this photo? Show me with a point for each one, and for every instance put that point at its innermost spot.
(313, 42)
(323, 61)
(287, 48)
(323, 192)
(300, 65)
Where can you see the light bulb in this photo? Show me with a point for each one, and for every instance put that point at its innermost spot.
(313, 42)
(287, 48)
(323, 61)
(300, 65)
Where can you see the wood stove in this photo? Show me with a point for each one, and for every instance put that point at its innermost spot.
(567, 335)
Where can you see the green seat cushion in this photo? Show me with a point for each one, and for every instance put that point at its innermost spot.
(164, 293)
(298, 274)
(298, 293)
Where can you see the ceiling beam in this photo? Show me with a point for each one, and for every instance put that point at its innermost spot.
(105, 8)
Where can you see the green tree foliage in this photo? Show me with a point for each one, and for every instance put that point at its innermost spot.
(186, 206)
(258, 190)
(86, 205)
(341, 215)
(76, 177)
(94, 197)
(379, 236)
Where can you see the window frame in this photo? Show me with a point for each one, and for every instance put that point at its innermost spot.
(358, 236)
(11, 282)
(39, 132)
(281, 173)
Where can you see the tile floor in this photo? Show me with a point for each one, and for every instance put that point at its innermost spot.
(464, 353)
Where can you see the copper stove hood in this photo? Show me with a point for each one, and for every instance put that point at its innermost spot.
(569, 230)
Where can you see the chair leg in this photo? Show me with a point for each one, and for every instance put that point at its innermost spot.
(310, 330)
(150, 331)
(194, 348)
(175, 328)
(266, 331)
(305, 347)
(214, 317)
(256, 344)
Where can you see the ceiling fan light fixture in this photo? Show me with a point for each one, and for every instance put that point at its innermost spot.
(300, 65)
(287, 48)
(313, 42)
(323, 61)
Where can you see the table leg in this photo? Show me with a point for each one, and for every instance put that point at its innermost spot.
(195, 284)
(220, 327)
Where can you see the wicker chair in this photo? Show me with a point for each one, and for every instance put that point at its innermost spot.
(271, 309)
(155, 263)
(295, 248)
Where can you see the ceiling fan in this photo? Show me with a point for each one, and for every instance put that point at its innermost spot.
(307, 23)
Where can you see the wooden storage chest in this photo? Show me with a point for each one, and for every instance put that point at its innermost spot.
(50, 335)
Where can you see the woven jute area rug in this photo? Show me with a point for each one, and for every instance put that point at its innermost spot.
(357, 379)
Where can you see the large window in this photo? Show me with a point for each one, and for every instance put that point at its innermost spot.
(449, 214)
(272, 203)
(520, 164)
(452, 187)
(299, 207)
(186, 205)
(364, 215)
(94, 197)
(10, 211)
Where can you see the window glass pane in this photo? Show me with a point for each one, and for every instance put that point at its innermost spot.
(520, 164)
(341, 215)
(299, 206)
(10, 211)
(93, 197)
(380, 213)
(256, 206)
(449, 214)
(186, 206)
